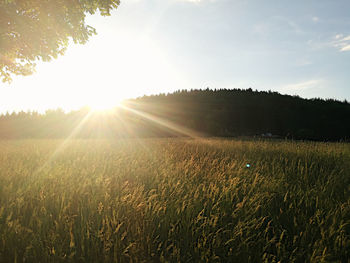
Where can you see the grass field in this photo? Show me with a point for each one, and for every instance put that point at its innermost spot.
(174, 200)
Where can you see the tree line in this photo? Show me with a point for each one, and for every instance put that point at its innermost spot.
(222, 113)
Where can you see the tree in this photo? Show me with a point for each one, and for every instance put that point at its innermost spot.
(33, 30)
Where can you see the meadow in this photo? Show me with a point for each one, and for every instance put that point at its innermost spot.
(174, 200)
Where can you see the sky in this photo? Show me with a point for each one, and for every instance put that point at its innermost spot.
(159, 46)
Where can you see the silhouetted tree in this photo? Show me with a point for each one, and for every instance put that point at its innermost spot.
(33, 30)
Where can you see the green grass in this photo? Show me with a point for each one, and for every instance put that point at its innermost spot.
(174, 200)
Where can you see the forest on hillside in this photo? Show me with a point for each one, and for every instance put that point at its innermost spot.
(221, 113)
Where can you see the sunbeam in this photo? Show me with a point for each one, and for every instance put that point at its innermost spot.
(64, 144)
(165, 123)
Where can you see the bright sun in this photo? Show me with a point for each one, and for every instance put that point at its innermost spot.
(100, 74)
(103, 104)
(99, 107)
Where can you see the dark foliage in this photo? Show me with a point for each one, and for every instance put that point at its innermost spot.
(33, 30)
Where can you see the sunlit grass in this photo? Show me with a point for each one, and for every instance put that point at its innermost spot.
(174, 200)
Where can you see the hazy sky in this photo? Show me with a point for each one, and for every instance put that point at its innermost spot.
(151, 46)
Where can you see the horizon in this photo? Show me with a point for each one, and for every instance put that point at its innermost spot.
(89, 108)
(163, 46)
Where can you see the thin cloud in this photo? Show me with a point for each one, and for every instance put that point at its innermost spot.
(309, 84)
(346, 48)
(303, 62)
(339, 36)
(315, 19)
(341, 42)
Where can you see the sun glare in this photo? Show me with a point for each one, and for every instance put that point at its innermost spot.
(103, 105)
(98, 74)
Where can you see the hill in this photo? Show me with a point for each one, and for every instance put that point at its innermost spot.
(247, 112)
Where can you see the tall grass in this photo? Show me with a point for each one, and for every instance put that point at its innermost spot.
(174, 200)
